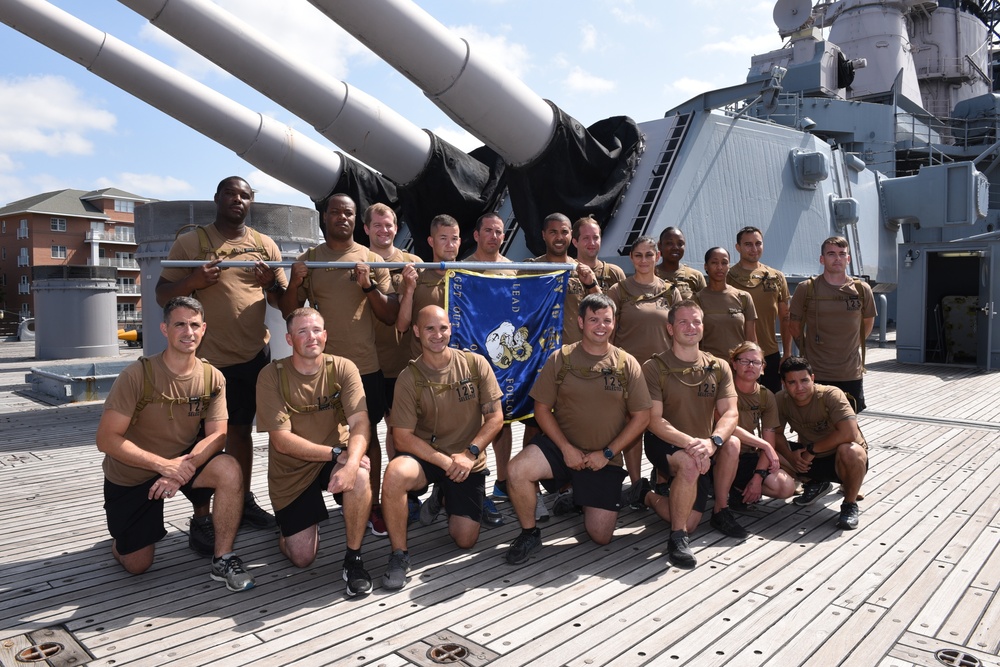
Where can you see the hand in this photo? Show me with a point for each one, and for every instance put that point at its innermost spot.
(773, 463)
(801, 460)
(164, 488)
(409, 275)
(343, 477)
(596, 460)
(754, 490)
(297, 275)
(363, 275)
(264, 274)
(461, 466)
(207, 274)
(585, 274)
(182, 468)
(701, 450)
(575, 459)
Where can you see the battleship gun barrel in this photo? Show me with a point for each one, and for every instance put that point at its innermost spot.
(265, 143)
(476, 93)
(356, 122)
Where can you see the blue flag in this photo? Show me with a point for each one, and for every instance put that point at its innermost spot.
(514, 321)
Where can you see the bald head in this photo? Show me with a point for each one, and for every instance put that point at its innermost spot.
(432, 329)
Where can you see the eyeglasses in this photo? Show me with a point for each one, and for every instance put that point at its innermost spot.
(749, 362)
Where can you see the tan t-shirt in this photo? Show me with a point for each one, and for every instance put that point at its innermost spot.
(167, 428)
(350, 322)
(725, 317)
(758, 411)
(689, 281)
(236, 305)
(451, 406)
(689, 391)
(393, 347)
(287, 476)
(831, 332)
(818, 419)
(429, 291)
(641, 326)
(608, 275)
(767, 287)
(592, 404)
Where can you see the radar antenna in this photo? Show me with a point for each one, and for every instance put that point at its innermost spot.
(792, 15)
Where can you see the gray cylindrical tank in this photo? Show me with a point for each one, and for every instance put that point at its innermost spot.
(294, 228)
(76, 311)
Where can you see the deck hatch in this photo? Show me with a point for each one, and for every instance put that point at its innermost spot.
(447, 648)
(48, 647)
(955, 658)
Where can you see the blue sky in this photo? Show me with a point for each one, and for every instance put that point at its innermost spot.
(63, 127)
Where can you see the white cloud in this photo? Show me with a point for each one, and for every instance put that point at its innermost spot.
(588, 37)
(742, 45)
(156, 186)
(269, 189)
(48, 114)
(496, 48)
(457, 137)
(690, 86)
(583, 82)
(625, 12)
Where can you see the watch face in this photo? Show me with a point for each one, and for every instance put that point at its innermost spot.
(608, 454)
(474, 450)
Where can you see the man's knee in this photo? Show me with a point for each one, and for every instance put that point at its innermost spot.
(401, 475)
(526, 465)
(683, 468)
(136, 562)
(464, 532)
(223, 473)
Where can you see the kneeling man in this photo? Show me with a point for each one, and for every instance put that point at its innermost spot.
(445, 412)
(591, 403)
(312, 406)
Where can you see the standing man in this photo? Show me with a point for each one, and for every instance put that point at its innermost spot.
(162, 431)
(830, 317)
(235, 303)
(312, 406)
(694, 414)
(590, 403)
(830, 445)
(587, 241)
(349, 300)
(447, 411)
(769, 291)
(687, 280)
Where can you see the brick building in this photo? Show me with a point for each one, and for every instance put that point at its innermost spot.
(69, 227)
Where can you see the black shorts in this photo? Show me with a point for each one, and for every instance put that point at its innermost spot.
(309, 508)
(823, 468)
(591, 488)
(658, 452)
(460, 498)
(135, 521)
(770, 377)
(745, 470)
(241, 387)
(374, 385)
(855, 389)
(388, 391)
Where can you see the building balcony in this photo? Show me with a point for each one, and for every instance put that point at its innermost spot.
(23, 289)
(22, 261)
(126, 236)
(129, 290)
(126, 264)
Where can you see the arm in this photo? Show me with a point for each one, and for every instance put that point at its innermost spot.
(701, 449)
(288, 300)
(404, 316)
(354, 458)
(573, 456)
(784, 330)
(406, 441)
(869, 325)
(204, 276)
(765, 445)
(800, 460)
(750, 330)
(383, 307)
(845, 431)
(634, 427)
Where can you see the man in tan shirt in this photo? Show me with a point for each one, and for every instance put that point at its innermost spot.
(162, 431)
(447, 411)
(235, 301)
(587, 241)
(312, 406)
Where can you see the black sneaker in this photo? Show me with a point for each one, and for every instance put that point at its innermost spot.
(491, 516)
(811, 492)
(848, 516)
(522, 548)
(635, 495)
(201, 535)
(254, 515)
(563, 504)
(678, 551)
(395, 572)
(359, 582)
(724, 522)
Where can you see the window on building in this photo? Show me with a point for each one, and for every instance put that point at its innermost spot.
(123, 206)
(22, 230)
(22, 257)
(23, 286)
(58, 252)
(3, 279)
(3, 253)
(25, 311)
(57, 224)
(3, 226)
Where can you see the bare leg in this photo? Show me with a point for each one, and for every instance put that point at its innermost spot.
(851, 463)
(136, 562)
(301, 547)
(357, 509)
(464, 531)
(633, 461)
(600, 524)
(223, 474)
(529, 466)
(239, 445)
(402, 475)
(724, 466)
(502, 446)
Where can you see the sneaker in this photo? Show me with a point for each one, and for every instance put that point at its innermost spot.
(678, 552)
(254, 516)
(376, 523)
(563, 504)
(811, 492)
(500, 491)
(848, 516)
(541, 511)
(736, 501)
(359, 582)
(395, 572)
(231, 571)
(201, 535)
(522, 547)
(413, 509)
(635, 495)
(491, 516)
(724, 522)
(430, 509)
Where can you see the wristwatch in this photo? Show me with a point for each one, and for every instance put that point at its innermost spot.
(608, 454)
(809, 448)
(763, 472)
(474, 450)
(337, 451)
(716, 440)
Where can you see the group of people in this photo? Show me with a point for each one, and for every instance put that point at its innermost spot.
(662, 362)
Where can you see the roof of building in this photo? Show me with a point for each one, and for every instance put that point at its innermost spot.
(69, 202)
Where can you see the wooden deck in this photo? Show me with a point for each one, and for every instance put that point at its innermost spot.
(920, 575)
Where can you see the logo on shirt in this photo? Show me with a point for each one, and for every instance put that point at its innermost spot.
(505, 345)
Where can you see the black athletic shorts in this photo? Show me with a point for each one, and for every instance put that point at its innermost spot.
(591, 488)
(460, 498)
(241, 387)
(309, 508)
(374, 386)
(658, 451)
